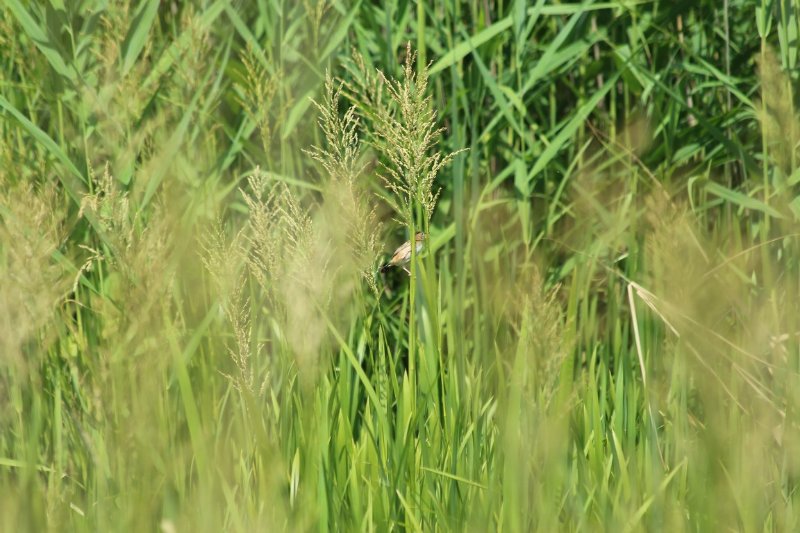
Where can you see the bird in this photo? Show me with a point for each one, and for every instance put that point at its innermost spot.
(402, 256)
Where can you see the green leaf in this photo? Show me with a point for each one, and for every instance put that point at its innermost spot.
(550, 59)
(498, 96)
(74, 187)
(175, 140)
(341, 31)
(742, 200)
(169, 56)
(571, 127)
(41, 39)
(137, 33)
(462, 49)
(296, 113)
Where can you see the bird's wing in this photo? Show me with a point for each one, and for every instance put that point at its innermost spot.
(401, 252)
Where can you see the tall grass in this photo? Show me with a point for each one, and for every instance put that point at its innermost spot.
(600, 334)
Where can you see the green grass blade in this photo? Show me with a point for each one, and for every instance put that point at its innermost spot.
(741, 200)
(41, 39)
(569, 129)
(74, 180)
(138, 33)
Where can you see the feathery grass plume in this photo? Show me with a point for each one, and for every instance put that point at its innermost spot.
(780, 122)
(195, 55)
(719, 314)
(404, 131)
(138, 250)
(264, 237)
(140, 241)
(777, 316)
(31, 282)
(257, 94)
(224, 262)
(118, 99)
(289, 257)
(357, 221)
(25, 61)
(111, 206)
(244, 356)
(694, 287)
(534, 427)
(603, 202)
(538, 318)
(517, 302)
(279, 234)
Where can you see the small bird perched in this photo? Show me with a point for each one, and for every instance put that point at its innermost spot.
(402, 256)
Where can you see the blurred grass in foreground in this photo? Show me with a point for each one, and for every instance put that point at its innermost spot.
(603, 332)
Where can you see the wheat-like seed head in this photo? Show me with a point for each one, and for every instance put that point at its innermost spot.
(404, 132)
(258, 94)
(779, 120)
(349, 205)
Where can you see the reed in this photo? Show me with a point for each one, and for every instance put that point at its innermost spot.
(600, 332)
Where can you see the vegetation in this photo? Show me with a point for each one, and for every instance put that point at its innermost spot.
(602, 332)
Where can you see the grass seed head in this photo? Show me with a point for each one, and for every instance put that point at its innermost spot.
(32, 282)
(403, 130)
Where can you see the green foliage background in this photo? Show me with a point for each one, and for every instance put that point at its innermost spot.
(602, 333)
